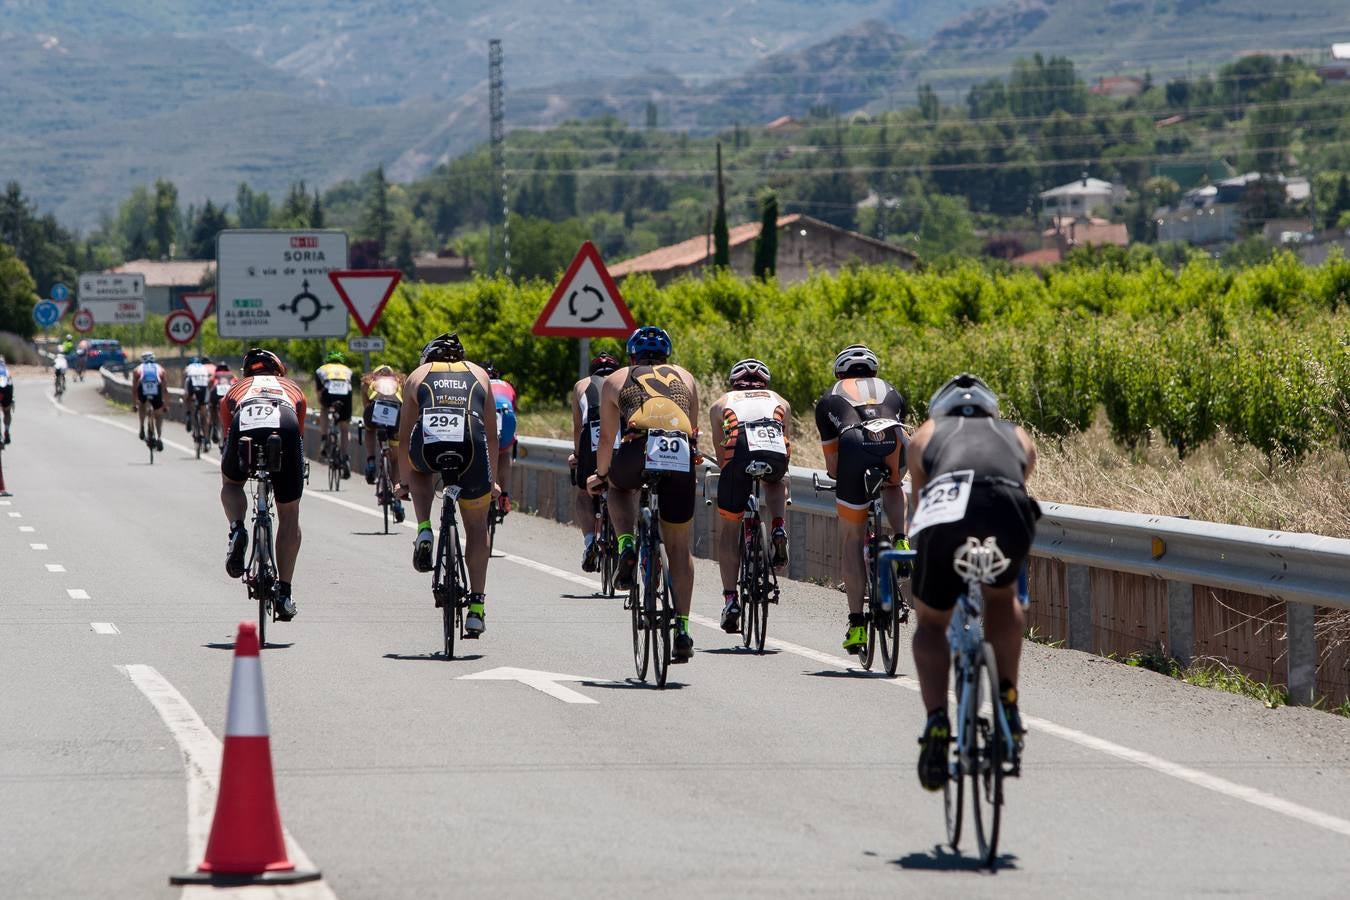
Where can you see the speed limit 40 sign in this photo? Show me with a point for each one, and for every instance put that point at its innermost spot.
(180, 327)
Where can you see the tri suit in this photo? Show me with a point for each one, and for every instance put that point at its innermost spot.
(859, 423)
(976, 473)
(451, 405)
(752, 431)
(652, 399)
(258, 407)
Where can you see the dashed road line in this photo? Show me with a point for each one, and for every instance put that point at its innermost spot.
(14, 515)
(77, 593)
(26, 529)
(38, 546)
(55, 568)
(104, 628)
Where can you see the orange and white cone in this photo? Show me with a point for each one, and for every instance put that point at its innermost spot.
(246, 844)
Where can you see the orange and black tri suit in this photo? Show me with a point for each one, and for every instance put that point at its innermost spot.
(859, 423)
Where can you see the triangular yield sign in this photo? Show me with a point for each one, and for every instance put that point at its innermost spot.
(64, 306)
(365, 291)
(198, 305)
(586, 303)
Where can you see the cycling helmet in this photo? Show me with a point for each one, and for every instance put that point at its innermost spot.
(195, 361)
(855, 360)
(263, 362)
(335, 356)
(147, 356)
(70, 337)
(491, 369)
(383, 370)
(649, 341)
(222, 366)
(443, 348)
(604, 363)
(964, 395)
(749, 373)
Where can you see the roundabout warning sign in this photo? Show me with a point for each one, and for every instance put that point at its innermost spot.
(274, 284)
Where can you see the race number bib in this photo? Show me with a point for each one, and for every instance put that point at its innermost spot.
(943, 500)
(878, 426)
(443, 426)
(338, 388)
(4, 381)
(499, 423)
(222, 389)
(257, 416)
(384, 413)
(150, 388)
(667, 452)
(766, 437)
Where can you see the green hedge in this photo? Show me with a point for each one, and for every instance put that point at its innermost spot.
(1263, 353)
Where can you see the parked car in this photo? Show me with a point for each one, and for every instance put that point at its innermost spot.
(102, 352)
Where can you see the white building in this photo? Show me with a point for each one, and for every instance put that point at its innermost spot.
(1082, 199)
(1213, 214)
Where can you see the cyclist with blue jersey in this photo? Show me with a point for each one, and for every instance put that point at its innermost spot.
(504, 398)
(968, 470)
(147, 388)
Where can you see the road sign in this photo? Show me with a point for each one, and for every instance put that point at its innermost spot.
(198, 305)
(366, 345)
(115, 312)
(47, 313)
(586, 302)
(63, 306)
(274, 284)
(111, 286)
(180, 327)
(365, 291)
(547, 682)
(60, 292)
(83, 322)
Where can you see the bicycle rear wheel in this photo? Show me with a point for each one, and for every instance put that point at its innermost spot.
(642, 635)
(444, 587)
(954, 789)
(609, 556)
(663, 620)
(494, 516)
(888, 636)
(986, 776)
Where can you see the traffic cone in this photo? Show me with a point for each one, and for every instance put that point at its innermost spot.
(246, 844)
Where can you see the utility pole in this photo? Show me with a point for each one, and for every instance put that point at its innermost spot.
(499, 236)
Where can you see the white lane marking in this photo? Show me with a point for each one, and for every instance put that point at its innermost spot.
(540, 681)
(55, 567)
(26, 529)
(77, 593)
(201, 752)
(104, 628)
(6, 503)
(38, 546)
(14, 515)
(1155, 763)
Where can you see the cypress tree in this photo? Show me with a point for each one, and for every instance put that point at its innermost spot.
(721, 236)
(766, 247)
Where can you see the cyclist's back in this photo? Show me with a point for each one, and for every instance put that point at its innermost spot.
(843, 415)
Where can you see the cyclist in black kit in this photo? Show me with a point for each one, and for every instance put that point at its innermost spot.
(968, 470)
(585, 436)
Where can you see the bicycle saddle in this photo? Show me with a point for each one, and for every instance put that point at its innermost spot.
(450, 461)
(874, 478)
(758, 469)
(980, 562)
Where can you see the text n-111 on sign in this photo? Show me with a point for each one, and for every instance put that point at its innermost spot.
(274, 284)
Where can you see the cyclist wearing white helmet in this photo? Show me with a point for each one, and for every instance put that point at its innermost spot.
(148, 387)
(859, 423)
(968, 470)
(651, 395)
(6, 396)
(750, 423)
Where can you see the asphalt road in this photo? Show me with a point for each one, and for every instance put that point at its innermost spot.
(784, 775)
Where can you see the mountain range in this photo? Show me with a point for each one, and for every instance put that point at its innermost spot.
(103, 96)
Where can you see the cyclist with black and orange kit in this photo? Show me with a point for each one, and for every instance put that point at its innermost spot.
(650, 394)
(859, 423)
(447, 408)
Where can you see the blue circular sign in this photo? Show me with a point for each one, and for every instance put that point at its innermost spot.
(60, 292)
(47, 313)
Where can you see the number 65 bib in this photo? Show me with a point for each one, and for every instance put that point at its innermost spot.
(943, 500)
(441, 425)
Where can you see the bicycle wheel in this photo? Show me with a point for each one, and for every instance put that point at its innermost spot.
(443, 586)
(767, 587)
(661, 619)
(954, 789)
(609, 555)
(888, 636)
(642, 635)
(986, 776)
(494, 516)
(382, 490)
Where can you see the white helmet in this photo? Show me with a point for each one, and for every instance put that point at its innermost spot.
(855, 360)
(749, 371)
(147, 356)
(964, 395)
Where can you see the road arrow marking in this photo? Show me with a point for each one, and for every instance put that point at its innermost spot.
(548, 682)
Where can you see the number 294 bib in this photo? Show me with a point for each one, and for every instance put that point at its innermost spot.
(443, 426)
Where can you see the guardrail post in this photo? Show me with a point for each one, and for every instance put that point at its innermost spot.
(1181, 621)
(1301, 652)
(1078, 582)
(798, 529)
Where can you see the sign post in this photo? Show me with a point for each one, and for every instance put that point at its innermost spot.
(198, 305)
(585, 304)
(274, 284)
(113, 298)
(365, 292)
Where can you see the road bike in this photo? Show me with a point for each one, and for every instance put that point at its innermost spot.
(260, 576)
(201, 439)
(883, 617)
(495, 516)
(983, 749)
(450, 581)
(756, 582)
(606, 544)
(332, 451)
(60, 386)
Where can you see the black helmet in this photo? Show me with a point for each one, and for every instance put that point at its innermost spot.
(491, 369)
(443, 348)
(963, 395)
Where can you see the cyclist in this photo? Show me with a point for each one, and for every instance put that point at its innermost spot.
(196, 381)
(67, 345)
(6, 395)
(650, 393)
(81, 359)
(221, 381)
(504, 398)
(968, 469)
(147, 386)
(262, 403)
(383, 400)
(445, 403)
(60, 365)
(585, 435)
(334, 381)
(852, 418)
(749, 423)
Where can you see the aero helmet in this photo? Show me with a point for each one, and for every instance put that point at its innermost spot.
(964, 395)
